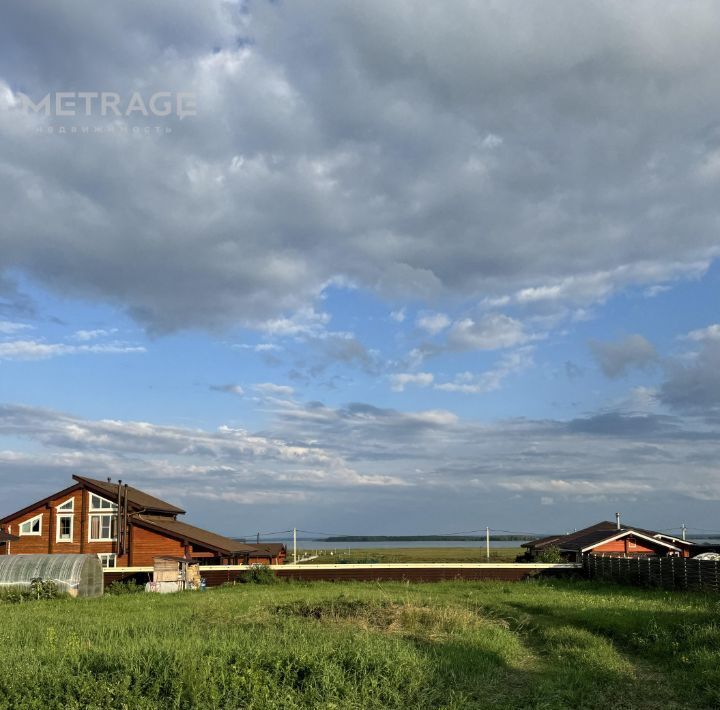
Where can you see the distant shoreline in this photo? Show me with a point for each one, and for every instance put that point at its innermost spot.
(421, 538)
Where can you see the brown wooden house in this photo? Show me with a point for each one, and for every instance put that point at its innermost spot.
(607, 538)
(268, 553)
(124, 526)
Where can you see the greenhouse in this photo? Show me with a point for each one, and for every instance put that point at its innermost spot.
(77, 575)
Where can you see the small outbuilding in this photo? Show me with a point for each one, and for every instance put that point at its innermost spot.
(76, 575)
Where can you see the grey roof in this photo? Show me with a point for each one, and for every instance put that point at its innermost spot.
(137, 499)
(185, 531)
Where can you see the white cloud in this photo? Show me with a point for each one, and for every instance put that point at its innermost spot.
(9, 328)
(712, 332)
(304, 322)
(39, 350)
(491, 380)
(490, 332)
(273, 389)
(85, 335)
(433, 323)
(398, 316)
(401, 380)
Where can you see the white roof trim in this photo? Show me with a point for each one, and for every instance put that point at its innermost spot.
(629, 532)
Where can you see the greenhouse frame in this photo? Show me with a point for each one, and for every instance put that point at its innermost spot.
(76, 575)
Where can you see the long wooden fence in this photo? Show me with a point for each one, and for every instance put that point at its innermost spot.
(217, 575)
(664, 572)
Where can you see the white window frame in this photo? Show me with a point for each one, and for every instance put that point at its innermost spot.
(106, 558)
(98, 511)
(58, 518)
(31, 520)
(102, 515)
(65, 508)
(110, 507)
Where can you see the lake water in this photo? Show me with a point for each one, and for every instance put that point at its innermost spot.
(390, 545)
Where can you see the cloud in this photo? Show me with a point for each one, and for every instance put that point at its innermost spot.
(403, 379)
(272, 389)
(616, 358)
(40, 350)
(10, 328)
(433, 323)
(398, 316)
(439, 177)
(711, 332)
(695, 385)
(85, 335)
(304, 322)
(491, 380)
(490, 332)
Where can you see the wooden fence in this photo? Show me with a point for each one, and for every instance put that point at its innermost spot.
(430, 572)
(664, 572)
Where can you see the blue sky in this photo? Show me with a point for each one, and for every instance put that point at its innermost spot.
(391, 277)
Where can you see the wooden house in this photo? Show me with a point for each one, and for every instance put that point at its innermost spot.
(124, 526)
(607, 538)
(268, 553)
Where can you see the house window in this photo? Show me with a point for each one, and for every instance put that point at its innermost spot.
(32, 526)
(103, 527)
(64, 528)
(103, 522)
(100, 503)
(107, 559)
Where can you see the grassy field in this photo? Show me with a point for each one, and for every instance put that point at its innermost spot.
(415, 554)
(547, 645)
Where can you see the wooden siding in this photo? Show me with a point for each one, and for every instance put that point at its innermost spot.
(147, 545)
(46, 542)
(628, 546)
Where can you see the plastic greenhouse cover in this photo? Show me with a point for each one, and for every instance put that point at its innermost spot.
(76, 574)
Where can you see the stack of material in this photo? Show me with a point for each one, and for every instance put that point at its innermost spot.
(174, 574)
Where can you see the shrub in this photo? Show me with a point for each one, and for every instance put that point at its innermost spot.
(259, 574)
(38, 589)
(551, 555)
(129, 587)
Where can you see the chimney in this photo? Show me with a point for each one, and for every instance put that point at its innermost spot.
(617, 520)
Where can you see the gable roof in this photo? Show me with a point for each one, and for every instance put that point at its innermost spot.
(38, 504)
(587, 542)
(267, 548)
(604, 531)
(184, 531)
(604, 525)
(138, 500)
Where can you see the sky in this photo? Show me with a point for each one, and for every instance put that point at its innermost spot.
(403, 268)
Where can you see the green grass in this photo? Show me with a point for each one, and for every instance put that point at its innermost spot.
(549, 645)
(414, 554)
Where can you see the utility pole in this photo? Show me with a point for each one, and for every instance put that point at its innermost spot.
(684, 532)
(294, 546)
(487, 543)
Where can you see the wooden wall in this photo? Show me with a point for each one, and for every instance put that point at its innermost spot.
(146, 545)
(46, 542)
